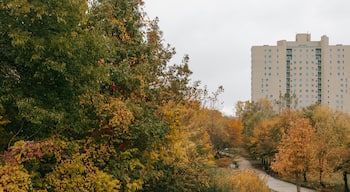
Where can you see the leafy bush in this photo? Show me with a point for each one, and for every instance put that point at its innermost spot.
(226, 180)
(249, 181)
(14, 178)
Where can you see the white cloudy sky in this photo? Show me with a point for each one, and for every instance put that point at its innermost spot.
(218, 35)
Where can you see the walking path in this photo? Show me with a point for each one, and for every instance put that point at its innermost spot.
(273, 183)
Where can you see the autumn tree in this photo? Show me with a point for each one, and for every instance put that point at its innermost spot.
(341, 126)
(265, 140)
(267, 135)
(251, 113)
(234, 130)
(156, 94)
(186, 152)
(344, 166)
(95, 80)
(329, 140)
(294, 153)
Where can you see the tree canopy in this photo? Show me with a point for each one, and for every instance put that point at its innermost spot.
(89, 102)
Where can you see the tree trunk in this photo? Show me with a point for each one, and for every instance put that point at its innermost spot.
(297, 183)
(345, 178)
(320, 179)
(304, 175)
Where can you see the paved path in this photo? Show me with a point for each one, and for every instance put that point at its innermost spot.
(273, 183)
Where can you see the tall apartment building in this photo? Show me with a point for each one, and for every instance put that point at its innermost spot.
(305, 71)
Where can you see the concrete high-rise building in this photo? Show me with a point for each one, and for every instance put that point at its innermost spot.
(304, 72)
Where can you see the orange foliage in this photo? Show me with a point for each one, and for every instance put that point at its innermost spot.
(235, 128)
(294, 151)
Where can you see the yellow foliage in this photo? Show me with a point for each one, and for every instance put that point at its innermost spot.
(78, 173)
(3, 121)
(265, 138)
(242, 181)
(14, 178)
(135, 186)
(249, 181)
(116, 117)
(105, 182)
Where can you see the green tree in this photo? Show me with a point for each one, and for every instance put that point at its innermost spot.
(4, 135)
(49, 61)
(141, 79)
(95, 79)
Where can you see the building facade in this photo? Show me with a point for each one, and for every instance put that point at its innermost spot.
(300, 73)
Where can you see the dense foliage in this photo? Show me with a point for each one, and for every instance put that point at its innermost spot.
(89, 102)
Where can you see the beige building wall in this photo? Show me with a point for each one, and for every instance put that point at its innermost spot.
(308, 71)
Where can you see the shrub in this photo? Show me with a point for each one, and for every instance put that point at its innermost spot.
(249, 181)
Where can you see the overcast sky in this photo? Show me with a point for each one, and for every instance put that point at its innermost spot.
(218, 35)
